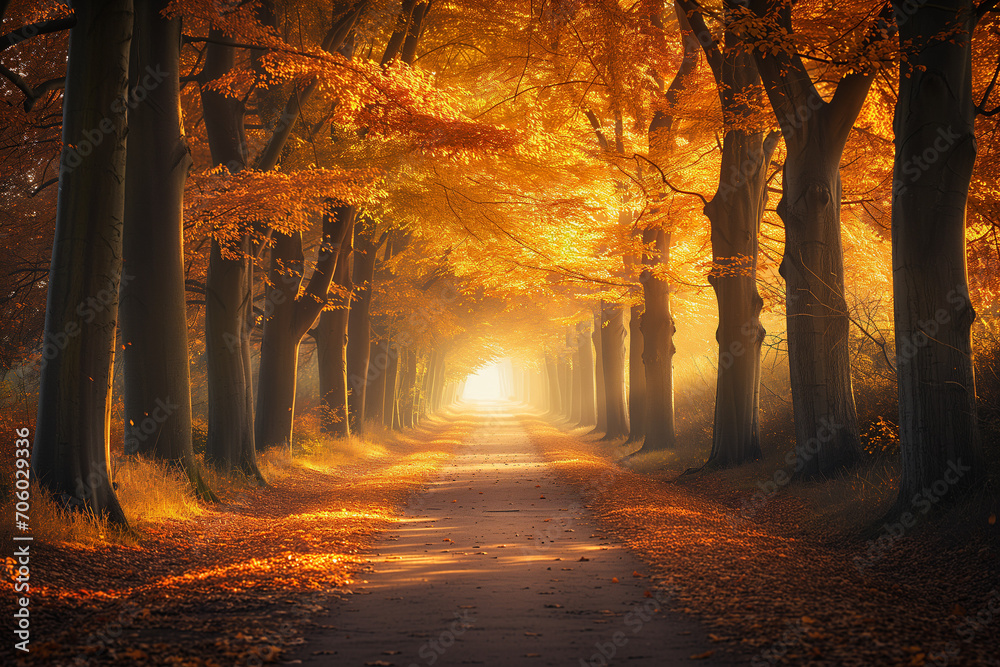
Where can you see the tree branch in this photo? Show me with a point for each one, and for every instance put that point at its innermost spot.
(786, 81)
(854, 86)
(34, 29)
(335, 225)
(595, 123)
(709, 45)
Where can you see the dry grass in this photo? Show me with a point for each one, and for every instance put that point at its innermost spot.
(149, 491)
(152, 492)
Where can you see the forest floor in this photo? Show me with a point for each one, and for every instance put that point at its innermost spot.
(767, 576)
(236, 584)
(437, 549)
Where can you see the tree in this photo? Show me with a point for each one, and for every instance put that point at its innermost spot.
(613, 361)
(636, 375)
(292, 316)
(331, 345)
(585, 361)
(657, 322)
(359, 318)
(153, 307)
(70, 456)
(935, 155)
(228, 306)
(815, 133)
(602, 402)
(735, 213)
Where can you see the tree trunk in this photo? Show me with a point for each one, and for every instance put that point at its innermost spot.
(935, 154)
(288, 316)
(408, 396)
(153, 305)
(279, 345)
(613, 357)
(815, 132)
(637, 377)
(602, 403)
(565, 386)
(359, 323)
(555, 389)
(378, 361)
(575, 377)
(658, 350)
(228, 307)
(331, 348)
(585, 359)
(826, 421)
(735, 213)
(735, 220)
(71, 450)
(656, 323)
(437, 397)
(424, 383)
(434, 363)
(539, 393)
(390, 413)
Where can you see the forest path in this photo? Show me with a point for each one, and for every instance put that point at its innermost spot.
(497, 562)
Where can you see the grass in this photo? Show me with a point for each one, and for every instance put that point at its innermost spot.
(152, 491)
(149, 491)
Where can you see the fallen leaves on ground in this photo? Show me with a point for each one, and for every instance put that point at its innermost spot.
(790, 596)
(234, 585)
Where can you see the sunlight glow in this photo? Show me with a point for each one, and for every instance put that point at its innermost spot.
(484, 385)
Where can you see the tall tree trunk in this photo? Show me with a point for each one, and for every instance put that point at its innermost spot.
(228, 313)
(815, 133)
(424, 383)
(433, 379)
(576, 390)
(826, 421)
(575, 376)
(71, 450)
(613, 357)
(658, 350)
(409, 399)
(656, 322)
(288, 316)
(359, 322)
(935, 154)
(565, 388)
(440, 381)
(735, 213)
(153, 306)
(636, 377)
(375, 391)
(585, 359)
(735, 217)
(555, 389)
(390, 413)
(602, 403)
(228, 307)
(539, 393)
(331, 347)
(279, 346)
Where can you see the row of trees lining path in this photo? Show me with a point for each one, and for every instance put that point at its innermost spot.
(120, 224)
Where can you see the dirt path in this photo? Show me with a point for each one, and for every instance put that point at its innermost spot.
(498, 563)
